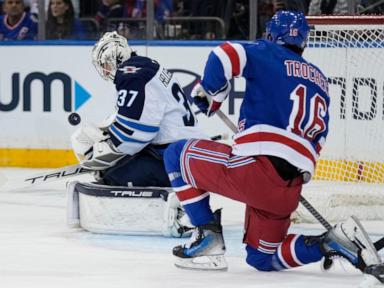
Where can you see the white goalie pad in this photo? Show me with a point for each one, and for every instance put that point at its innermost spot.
(124, 210)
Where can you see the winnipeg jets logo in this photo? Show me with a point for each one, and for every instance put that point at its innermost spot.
(129, 69)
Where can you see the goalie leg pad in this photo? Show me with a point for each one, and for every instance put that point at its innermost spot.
(73, 211)
(175, 221)
(123, 210)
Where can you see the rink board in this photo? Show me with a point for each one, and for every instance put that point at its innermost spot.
(38, 93)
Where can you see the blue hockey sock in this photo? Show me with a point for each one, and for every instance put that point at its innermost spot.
(199, 212)
(294, 251)
(194, 201)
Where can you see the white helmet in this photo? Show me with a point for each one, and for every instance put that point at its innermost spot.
(108, 53)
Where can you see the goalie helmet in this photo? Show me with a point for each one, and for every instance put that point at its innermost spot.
(288, 27)
(108, 53)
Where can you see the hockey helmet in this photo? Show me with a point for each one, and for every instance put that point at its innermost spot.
(108, 53)
(288, 27)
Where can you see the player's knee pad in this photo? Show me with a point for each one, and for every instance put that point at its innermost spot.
(172, 156)
(259, 260)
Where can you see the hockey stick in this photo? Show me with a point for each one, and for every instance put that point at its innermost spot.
(46, 177)
(59, 173)
(379, 244)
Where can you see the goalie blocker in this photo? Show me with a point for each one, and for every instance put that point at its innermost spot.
(125, 210)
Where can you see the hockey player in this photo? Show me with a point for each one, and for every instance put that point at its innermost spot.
(282, 127)
(152, 112)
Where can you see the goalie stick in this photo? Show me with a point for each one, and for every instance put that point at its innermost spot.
(45, 177)
(53, 175)
(379, 244)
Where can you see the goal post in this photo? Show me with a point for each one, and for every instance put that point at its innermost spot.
(349, 177)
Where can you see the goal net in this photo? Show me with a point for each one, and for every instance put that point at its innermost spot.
(349, 176)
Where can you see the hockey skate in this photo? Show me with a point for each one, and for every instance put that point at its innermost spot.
(205, 250)
(350, 241)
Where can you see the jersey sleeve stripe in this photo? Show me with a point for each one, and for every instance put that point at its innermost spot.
(138, 126)
(242, 57)
(123, 128)
(123, 138)
(233, 57)
(236, 56)
(225, 62)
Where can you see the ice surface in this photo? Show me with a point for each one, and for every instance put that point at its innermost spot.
(38, 250)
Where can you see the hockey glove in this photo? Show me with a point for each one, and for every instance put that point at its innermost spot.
(103, 155)
(94, 149)
(83, 139)
(204, 101)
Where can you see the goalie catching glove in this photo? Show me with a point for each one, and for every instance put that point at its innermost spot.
(209, 103)
(94, 149)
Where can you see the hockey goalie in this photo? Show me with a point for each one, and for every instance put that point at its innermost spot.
(130, 195)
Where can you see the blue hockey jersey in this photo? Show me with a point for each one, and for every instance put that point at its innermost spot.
(151, 107)
(284, 112)
(25, 29)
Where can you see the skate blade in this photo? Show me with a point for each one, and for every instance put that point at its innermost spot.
(213, 263)
(361, 238)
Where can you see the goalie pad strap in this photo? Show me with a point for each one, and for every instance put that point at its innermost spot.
(97, 190)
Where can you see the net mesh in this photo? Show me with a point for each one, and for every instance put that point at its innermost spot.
(349, 177)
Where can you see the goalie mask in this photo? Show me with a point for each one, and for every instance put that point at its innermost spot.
(288, 28)
(108, 53)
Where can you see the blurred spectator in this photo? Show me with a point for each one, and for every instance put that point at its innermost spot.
(238, 25)
(137, 9)
(16, 24)
(163, 8)
(61, 23)
(205, 8)
(32, 6)
(329, 7)
(266, 8)
(109, 9)
(88, 8)
(134, 8)
(202, 8)
(296, 5)
(371, 7)
(128, 10)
